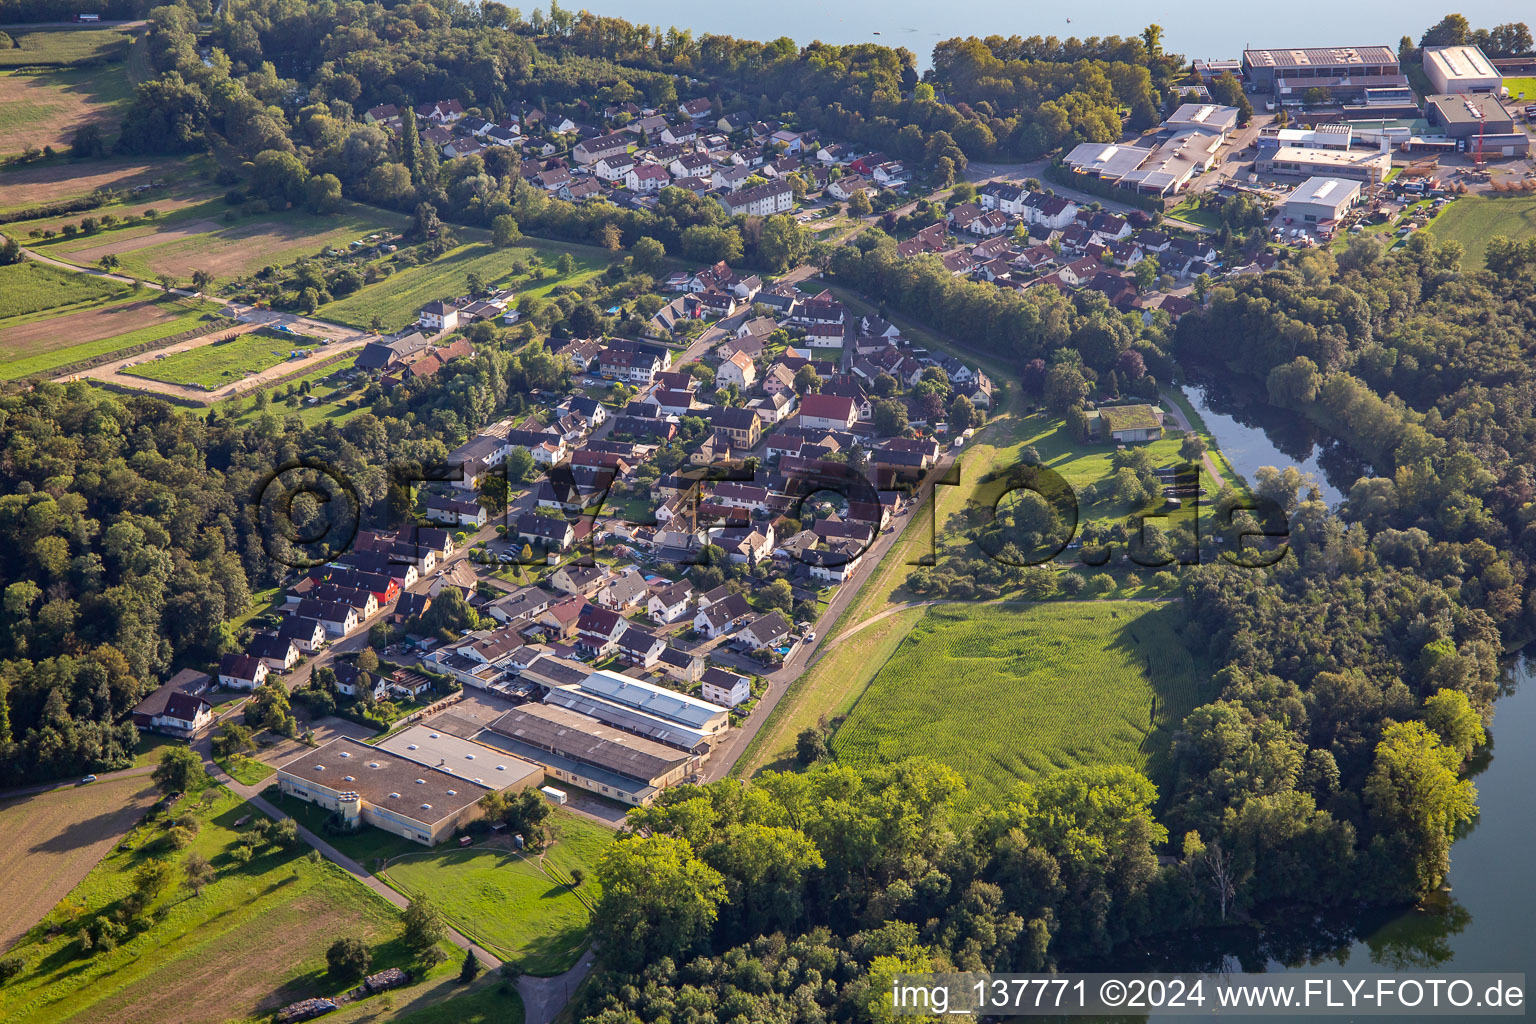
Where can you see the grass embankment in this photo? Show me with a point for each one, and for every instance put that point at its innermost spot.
(252, 941)
(1006, 693)
(518, 908)
(397, 299)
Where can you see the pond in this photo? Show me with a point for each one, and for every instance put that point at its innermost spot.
(1253, 434)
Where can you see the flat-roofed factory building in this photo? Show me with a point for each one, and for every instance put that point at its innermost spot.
(1347, 72)
(400, 794)
(1460, 69)
(590, 754)
(1322, 200)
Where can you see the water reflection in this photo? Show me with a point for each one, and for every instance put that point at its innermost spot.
(1252, 434)
(1481, 923)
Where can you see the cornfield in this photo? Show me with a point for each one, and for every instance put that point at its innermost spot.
(1007, 693)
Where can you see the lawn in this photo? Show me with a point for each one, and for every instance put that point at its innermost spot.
(517, 908)
(830, 687)
(246, 770)
(220, 362)
(367, 846)
(1522, 89)
(486, 1003)
(1006, 693)
(29, 287)
(397, 299)
(42, 343)
(1474, 220)
(1191, 211)
(196, 952)
(326, 386)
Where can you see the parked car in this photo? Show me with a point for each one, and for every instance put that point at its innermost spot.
(88, 779)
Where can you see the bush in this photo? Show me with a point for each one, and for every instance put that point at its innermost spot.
(348, 959)
(10, 967)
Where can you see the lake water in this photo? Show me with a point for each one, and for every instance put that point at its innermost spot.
(1252, 434)
(1483, 923)
(1195, 30)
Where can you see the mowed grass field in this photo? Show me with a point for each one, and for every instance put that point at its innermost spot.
(253, 941)
(398, 298)
(198, 238)
(508, 902)
(41, 342)
(220, 362)
(1522, 89)
(45, 108)
(829, 688)
(1473, 220)
(55, 80)
(57, 47)
(29, 287)
(54, 839)
(1005, 693)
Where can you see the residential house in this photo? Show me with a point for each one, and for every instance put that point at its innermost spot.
(546, 531)
(242, 671)
(455, 511)
(599, 629)
(613, 168)
(439, 316)
(177, 708)
(646, 178)
(590, 151)
(640, 647)
(738, 370)
(307, 635)
(761, 201)
(828, 412)
(338, 619)
(727, 689)
(670, 603)
(846, 187)
(740, 428)
(624, 593)
(763, 632)
(585, 580)
(277, 653)
(721, 617)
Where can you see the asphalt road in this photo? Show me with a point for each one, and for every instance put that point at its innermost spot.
(806, 655)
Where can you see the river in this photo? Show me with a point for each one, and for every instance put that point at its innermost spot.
(1195, 30)
(1484, 921)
